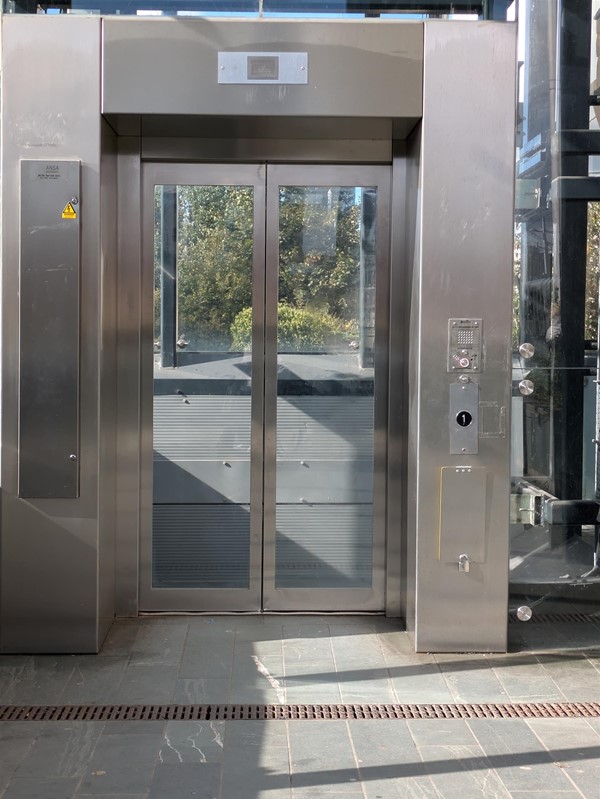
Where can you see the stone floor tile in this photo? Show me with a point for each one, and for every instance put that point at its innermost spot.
(61, 749)
(121, 638)
(149, 683)
(520, 759)
(94, 680)
(574, 675)
(441, 732)
(192, 742)
(575, 746)
(210, 691)
(471, 678)
(256, 760)
(420, 683)
(42, 680)
(122, 763)
(186, 781)
(16, 740)
(322, 757)
(160, 644)
(462, 772)
(41, 789)
(208, 651)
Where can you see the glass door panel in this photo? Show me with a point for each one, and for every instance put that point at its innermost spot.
(326, 550)
(205, 468)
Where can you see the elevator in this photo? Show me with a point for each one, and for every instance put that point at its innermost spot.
(269, 286)
(256, 324)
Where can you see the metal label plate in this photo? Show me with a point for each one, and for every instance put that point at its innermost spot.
(463, 418)
(263, 68)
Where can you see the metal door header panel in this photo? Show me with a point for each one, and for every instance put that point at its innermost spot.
(170, 66)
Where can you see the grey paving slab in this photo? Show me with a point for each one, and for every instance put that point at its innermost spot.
(350, 650)
(388, 761)
(441, 732)
(41, 789)
(16, 740)
(160, 644)
(420, 682)
(42, 680)
(540, 794)
(520, 759)
(471, 678)
(207, 654)
(462, 772)
(147, 683)
(210, 691)
(121, 639)
(94, 680)
(525, 680)
(575, 747)
(322, 756)
(379, 691)
(192, 742)
(256, 760)
(122, 763)
(574, 675)
(61, 750)
(137, 727)
(113, 795)
(198, 780)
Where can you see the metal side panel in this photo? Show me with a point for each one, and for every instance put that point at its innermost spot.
(355, 68)
(50, 546)
(464, 272)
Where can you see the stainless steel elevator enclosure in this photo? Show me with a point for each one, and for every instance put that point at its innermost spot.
(331, 437)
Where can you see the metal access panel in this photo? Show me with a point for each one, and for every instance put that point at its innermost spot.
(49, 329)
(463, 519)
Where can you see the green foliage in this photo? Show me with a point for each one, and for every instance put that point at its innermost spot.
(319, 266)
(298, 330)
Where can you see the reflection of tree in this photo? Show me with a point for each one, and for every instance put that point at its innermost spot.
(592, 271)
(319, 250)
(552, 302)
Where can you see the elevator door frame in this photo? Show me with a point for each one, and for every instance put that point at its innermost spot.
(262, 595)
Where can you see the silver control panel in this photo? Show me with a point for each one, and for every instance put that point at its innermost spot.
(464, 345)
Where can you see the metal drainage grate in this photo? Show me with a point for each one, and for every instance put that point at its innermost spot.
(519, 710)
(558, 618)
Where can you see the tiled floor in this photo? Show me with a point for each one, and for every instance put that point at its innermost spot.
(302, 659)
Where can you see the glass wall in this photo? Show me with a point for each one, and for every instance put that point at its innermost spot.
(554, 563)
(486, 9)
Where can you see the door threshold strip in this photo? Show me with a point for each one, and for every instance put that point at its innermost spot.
(333, 712)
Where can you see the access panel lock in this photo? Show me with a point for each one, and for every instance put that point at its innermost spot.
(464, 345)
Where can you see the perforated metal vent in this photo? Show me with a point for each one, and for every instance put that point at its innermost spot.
(292, 712)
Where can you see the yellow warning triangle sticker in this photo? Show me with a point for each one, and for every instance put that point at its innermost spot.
(69, 212)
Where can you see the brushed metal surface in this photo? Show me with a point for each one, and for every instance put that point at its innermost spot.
(49, 566)
(49, 329)
(131, 476)
(463, 269)
(148, 67)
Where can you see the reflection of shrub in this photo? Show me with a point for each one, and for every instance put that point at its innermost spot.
(298, 330)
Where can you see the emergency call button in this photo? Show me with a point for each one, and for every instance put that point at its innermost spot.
(464, 418)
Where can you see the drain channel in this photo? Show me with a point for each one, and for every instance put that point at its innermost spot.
(534, 710)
